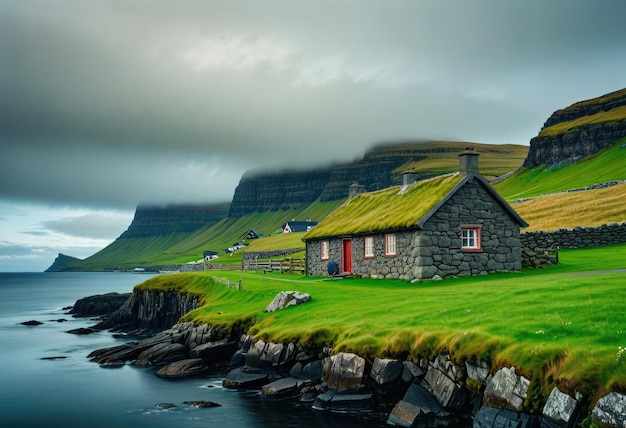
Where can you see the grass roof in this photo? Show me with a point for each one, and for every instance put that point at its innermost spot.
(385, 209)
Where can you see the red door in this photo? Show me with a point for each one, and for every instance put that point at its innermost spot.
(346, 256)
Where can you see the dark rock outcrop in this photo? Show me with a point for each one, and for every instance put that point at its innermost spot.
(64, 263)
(102, 304)
(149, 311)
(277, 190)
(578, 141)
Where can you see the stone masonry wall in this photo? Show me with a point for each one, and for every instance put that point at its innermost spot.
(541, 248)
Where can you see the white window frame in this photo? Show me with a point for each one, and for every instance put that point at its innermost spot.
(368, 247)
(470, 238)
(325, 250)
(390, 244)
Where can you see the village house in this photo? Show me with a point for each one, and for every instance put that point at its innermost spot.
(298, 226)
(451, 225)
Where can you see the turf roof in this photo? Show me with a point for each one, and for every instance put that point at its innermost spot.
(385, 209)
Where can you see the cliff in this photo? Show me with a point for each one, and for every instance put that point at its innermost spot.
(152, 221)
(150, 311)
(582, 129)
(381, 167)
(258, 192)
(64, 263)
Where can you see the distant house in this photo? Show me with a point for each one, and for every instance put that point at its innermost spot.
(251, 234)
(298, 226)
(209, 255)
(236, 246)
(454, 224)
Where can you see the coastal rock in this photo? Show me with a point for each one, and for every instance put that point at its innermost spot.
(610, 411)
(165, 406)
(506, 390)
(116, 355)
(418, 408)
(81, 330)
(183, 368)
(282, 388)
(450, 395)
(31, 323)
(162, 353)
(102, 304)
(202, 404)
(214, 352)
(478, 371)
(344, 371)
(245, 378)
(561, 409)
(411, 372)
(353, 403)
(285, 299)
(386, 371)
(490, 417)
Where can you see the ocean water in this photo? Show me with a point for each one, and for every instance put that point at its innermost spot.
(71, 391)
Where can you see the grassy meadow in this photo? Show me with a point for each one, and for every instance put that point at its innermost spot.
(563, 324)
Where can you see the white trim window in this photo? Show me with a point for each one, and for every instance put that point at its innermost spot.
(325, 250)
(390, 244)
(368, 250)
(470, 238)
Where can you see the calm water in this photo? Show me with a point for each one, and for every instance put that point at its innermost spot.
(72, 391)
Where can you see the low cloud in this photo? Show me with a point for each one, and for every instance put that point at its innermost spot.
(95, 226)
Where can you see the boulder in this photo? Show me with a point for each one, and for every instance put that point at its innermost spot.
(490, 417)
(561, 409)
(32, 323)
(214, 352)
(245, 378)
(411, 372)
(344, 370)
(184, 368)
(386, 371)
(162, 353)
(352, 403)
(419, 407)
(610, 411)
(282, 388)
(202, 404)
(405, 415)
(450, 395)
(506, 390)
(81, 330)
(285, 299)
(478, 371)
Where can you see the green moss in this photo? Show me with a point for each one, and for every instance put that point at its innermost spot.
(385, 209)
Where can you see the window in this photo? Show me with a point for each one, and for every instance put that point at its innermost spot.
(325, 250)
(390, 244)
(470, 238)
(369, 247)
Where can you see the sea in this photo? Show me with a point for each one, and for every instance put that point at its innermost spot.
(46, 379)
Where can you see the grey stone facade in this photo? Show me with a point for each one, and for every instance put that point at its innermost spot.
(435, 249)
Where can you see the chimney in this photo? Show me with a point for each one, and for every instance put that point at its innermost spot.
(355, 189)
(468, 162)
(408, 178)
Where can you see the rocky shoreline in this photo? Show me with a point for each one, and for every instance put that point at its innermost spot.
(405, 393)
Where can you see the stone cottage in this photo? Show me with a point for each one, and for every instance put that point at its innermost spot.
(454, 224)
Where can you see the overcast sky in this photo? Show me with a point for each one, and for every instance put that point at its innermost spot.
(108, 104)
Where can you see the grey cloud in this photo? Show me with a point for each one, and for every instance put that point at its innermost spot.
(112, 103)
(90, 225)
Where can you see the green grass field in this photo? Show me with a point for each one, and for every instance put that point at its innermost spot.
(563, 324)
(607, 165)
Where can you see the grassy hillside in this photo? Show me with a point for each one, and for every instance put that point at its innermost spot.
(552, 324)
(607, 165)
(442, 157)
(568, 210)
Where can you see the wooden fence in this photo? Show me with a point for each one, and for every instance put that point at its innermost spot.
(288, 265)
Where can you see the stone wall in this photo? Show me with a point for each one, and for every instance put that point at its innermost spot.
(541, 248)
